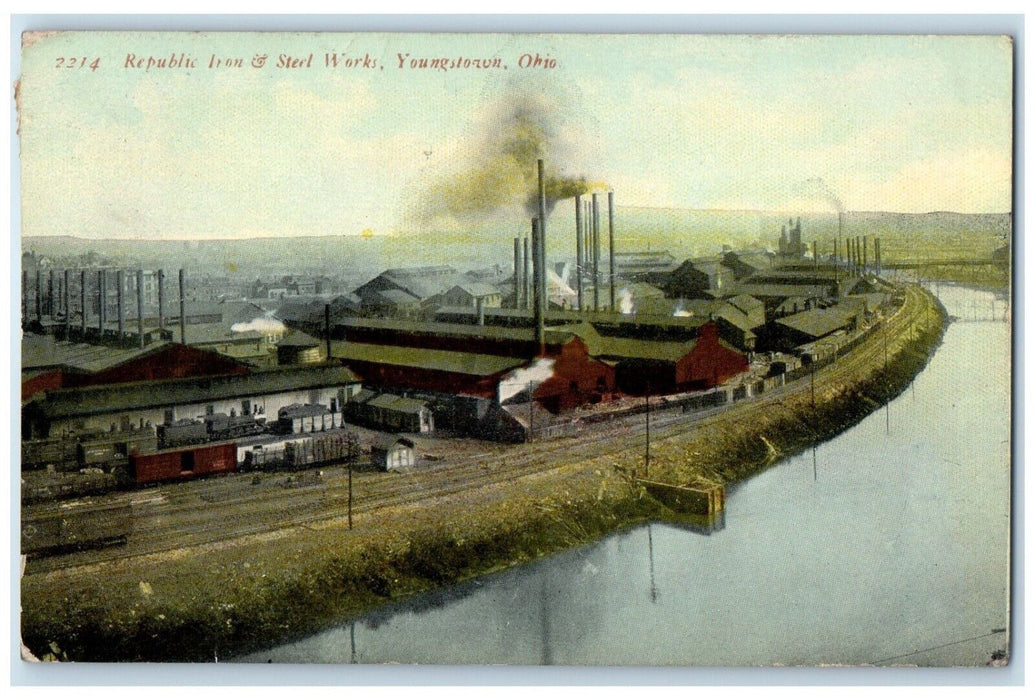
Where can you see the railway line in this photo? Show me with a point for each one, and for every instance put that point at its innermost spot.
(215, 511)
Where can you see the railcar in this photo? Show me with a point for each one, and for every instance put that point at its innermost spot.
(180, 464)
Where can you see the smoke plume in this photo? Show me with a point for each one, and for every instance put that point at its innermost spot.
(262, 324)
(500, 170)
(816, 188)
(525, 378)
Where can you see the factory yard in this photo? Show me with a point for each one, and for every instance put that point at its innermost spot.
(172, 519)
(273, 559)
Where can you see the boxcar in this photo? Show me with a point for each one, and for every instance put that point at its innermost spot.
(183, 463)
(57, 528)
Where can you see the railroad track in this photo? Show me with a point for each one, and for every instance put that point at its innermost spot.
(169, 518)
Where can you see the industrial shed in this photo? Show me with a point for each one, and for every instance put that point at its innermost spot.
(810, 326)
(694, 359)
(162, 402)
(443, 371)
(392, 452)
(53, 364)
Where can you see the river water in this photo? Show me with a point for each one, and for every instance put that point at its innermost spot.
(891, 546)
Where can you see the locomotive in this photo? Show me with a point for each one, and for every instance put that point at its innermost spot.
(211, 428)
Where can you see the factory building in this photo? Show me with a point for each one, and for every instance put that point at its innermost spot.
(682, 359)
(259, 393)
(48, 363)
(809, 326)
(698, 279)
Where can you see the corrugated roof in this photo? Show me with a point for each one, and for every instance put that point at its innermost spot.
(438, 360)
(86, 401)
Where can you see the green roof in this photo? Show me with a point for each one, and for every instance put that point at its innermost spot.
(43, 351)
(820, 322)
(438, 360)
(401, 404)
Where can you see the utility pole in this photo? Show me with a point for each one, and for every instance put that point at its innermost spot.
(531, 415)
(350, 494)
(646, 460)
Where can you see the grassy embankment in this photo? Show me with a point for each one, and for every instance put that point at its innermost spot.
(192, 605)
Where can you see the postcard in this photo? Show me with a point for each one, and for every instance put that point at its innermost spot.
(529, 349)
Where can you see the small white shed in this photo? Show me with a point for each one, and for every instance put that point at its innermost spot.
(390, 452)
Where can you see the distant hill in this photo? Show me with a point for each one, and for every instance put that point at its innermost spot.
(683, 232)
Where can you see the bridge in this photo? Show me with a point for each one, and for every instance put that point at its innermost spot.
(944, 262)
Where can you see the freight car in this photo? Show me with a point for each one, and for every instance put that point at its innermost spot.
(308, 452)
(181, 464)
(40, 486)
(105, 450)
(306, 418)
(56, 528)
(211, 428)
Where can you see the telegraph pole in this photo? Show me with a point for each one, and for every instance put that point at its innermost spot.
(646, 456)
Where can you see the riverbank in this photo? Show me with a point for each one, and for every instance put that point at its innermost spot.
(217, 600)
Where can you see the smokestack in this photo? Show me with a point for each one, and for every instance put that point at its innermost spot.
(82, 300)
(596, 253)
(102, 299)
(140, 306)
(876, 255)
(161, 300)
(858, 254)
(120, 282)
(479, 304)
(840, 217)
(517, 272)
(837, 265)
(543, 301)
(815, 255)
(579, 253)
(865, 249)
(183, 311)
(68, 304)
(39, 295)
(537, 271)
(611, 244)
(327, 328)
(50, 294)
(526, 262)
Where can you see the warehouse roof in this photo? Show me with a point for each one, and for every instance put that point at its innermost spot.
(298, 339)
(783, 290)
(400, 404)
(820, 322)
(421, 358)
(63, 403)
(616, 347)
(40, 351)
(436, 328)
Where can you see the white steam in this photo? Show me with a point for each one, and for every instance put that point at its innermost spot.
(681, 312)
(525, 378)
(262, 324)
(625, 302)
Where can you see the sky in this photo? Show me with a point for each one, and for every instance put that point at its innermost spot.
(794, 123)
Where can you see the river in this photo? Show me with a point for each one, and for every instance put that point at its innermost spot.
(888, 546)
